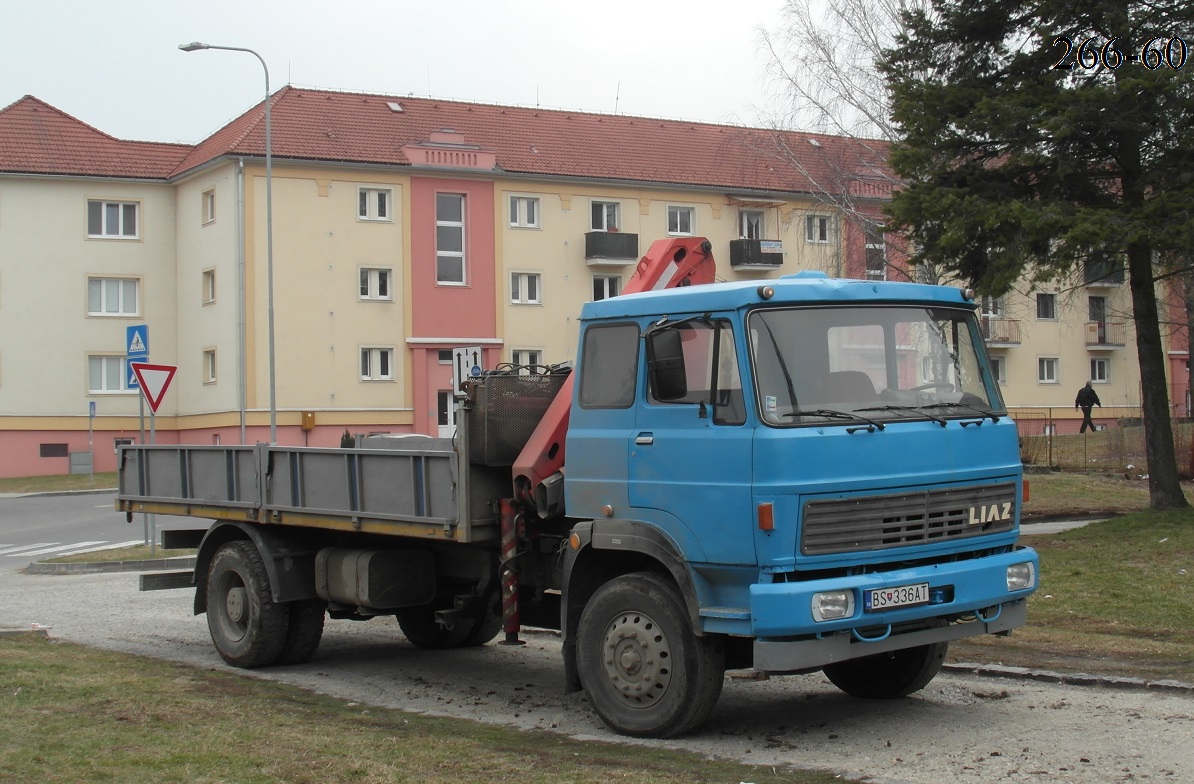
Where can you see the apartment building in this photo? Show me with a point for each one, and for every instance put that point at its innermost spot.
(403, 228)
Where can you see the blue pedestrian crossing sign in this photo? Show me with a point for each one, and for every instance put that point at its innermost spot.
(132, 382)
(137, 341)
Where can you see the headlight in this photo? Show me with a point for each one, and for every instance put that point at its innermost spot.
(1021, 577)
(832, 605)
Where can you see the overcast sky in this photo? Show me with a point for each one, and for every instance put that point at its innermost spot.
(115, 64)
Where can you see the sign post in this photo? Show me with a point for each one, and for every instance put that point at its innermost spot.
(136, 340)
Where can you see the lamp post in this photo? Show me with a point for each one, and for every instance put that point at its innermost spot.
(269, 229)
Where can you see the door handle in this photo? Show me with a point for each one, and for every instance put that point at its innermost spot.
(644, 439)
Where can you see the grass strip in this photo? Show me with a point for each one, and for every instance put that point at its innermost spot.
(74, 714)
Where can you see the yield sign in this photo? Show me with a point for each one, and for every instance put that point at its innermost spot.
(154, 379)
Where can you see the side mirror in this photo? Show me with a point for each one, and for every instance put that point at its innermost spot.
(665, 365)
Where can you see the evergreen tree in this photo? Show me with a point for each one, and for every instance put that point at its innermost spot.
(1051, 139)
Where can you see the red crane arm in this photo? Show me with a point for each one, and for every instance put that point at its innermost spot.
(681, 261)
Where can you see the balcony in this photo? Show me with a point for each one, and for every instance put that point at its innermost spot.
(756, 254)
(1001, 332)
(612, 248)
(1105, 334)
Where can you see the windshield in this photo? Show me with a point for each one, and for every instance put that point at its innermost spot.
(880, 363)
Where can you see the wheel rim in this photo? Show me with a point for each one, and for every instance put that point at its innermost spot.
(236, 605)
(637, 659)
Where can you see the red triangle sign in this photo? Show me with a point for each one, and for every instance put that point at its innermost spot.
(154, 379)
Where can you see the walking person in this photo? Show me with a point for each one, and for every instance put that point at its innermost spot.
(1087, 399)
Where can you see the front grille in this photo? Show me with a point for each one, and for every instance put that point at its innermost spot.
(850, 525)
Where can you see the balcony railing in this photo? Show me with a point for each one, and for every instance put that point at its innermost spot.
(611, 247)
(1105, 334)
(756, 254)
(1001, 331)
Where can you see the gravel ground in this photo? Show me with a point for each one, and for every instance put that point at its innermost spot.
(961, 728)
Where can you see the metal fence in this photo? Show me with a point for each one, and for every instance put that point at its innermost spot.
(1049, 437)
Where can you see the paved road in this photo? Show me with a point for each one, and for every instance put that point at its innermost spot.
(959, 729)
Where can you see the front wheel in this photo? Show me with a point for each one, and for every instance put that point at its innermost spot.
(888, 675)
(644, 669)
(248, 627)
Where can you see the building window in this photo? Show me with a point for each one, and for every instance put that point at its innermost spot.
(375, 283)
(119, 442)
(524, 212)
(373, 204)
(112, 219)
(1046, 307)
(209, 286)
(1046, 370)
(112, 296)
(816, 228)
(107, 374)
(209, 366)
(444, 356)
(606, 286)
(876, 252)
(750, 224)
(1100, 370)
(524, 288)
(680, 220)
(449, 239)
(999, 370)
(209, 206)
(377, 364)
(525, 358)
(606, 216)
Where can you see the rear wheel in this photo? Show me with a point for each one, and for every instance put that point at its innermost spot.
(888, 675)
(248, 628)
(644, 670)
(304, 632)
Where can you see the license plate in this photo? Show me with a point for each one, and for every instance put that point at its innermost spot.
(899, 596)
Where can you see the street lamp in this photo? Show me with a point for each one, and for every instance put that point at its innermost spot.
(269, 229)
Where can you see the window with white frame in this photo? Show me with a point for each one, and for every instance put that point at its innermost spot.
(112, 219)
(373, 204)
(449, 239)
(525, 357)
(607, 216)
(680, 219)
(606, 286)
(1046, 370)
(112, 296)
(1100, 370)
(375, 283)
(1046, 306)
(999, 370)
(377, 363)
(750, 224)
(107, 373)
(209, 286)
(209, 366)
(525, 288)
(816, 228)
(208, 201)
(524, 212)
(444, 356)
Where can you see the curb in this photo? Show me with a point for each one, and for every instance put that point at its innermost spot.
(49, 493)
(1070, 678)
(94, 567)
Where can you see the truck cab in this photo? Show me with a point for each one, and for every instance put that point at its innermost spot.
(825, 469)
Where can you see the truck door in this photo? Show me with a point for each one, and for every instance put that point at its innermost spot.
(690, 450)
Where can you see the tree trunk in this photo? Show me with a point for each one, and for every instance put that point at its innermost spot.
(1164, 489)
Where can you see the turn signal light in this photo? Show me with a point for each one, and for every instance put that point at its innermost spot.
(766, 517)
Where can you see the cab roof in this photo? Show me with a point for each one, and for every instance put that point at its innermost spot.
(803, 288)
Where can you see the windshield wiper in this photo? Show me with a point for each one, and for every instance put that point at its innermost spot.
(917, 409)
(831, 414)
(980, 411)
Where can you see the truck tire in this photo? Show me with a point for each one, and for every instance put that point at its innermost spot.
(419, 627)
(889, 675)
(247, 626)
(304, 632)
(644, 669)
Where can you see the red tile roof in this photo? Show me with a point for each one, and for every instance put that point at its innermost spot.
(36, 138)
(326, 126)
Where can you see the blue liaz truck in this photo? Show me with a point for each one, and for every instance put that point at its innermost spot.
(786, 476)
